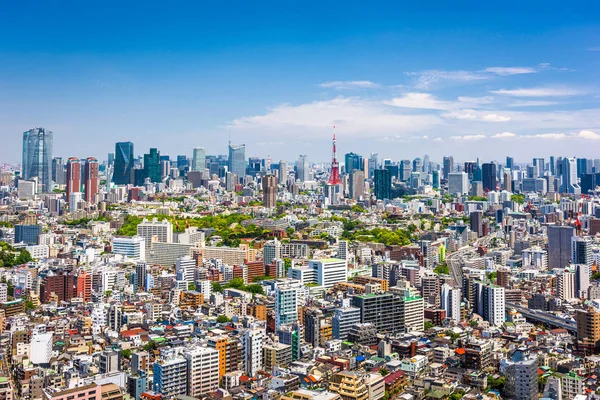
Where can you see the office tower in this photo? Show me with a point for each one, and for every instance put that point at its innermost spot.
(536, 185)
(202, 370)
(405, 170)
(588, 334)
(417, 166)
(415, 179)
(510, 163)
(140, 271)
(342, 253)
(152, 169)
(182, 164)
(271, 251)
(329, 271)
(489, 302)
(559, 246)
(581, 166)
(170, 375)
(162, 230)
(91, 180)
(283, 172)
(286, 304)
(357, 184)
(385, 311)
(84, 286)
(458, 183)
(109, 362)
(253, 344)
(489, 177)
(448, 166)
(373, 165)
(569, 176)
(451, 298)
(74, 200)
(199, 159)
(73, 176)
(59, 284)
(185, 268)
(37, 158)
(435, 179)
(565, 285)
(383, 184)
(131, 247)
(59, 175)
(426, 164)
(552, 165)
(236, 162)
(255, 166)
(269, 187)
(539, 167)
(123, 163)
(583, 273)
(353, 162)
(28, 234)
(469, 168)
(344, 318)
(303, 170)
(507, 181)
(581, 250)
(476, 222)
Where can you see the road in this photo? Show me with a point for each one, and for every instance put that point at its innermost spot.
(454, 260)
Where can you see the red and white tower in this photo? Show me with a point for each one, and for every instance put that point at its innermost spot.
(334, 176)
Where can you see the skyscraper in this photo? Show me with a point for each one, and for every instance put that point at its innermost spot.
(559, 246)
(59, 175)
(91, 180)
(383, 184)
(458, 183)
(489, 177)
(237, 159)
(37, 158)
(199, 159)
(269, 187)
(283, 172)
(303, 170)
(569, 176)
(152, 169)
(510, 163)
(123, 163)
(373, 164)
(73, 176)
(357, 183)
(448, 166)
(286, 304)
(353, 161)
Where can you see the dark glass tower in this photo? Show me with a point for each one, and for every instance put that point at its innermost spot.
(383, 184)
(488, 177)
(152, 166)
(353, 161)
(123, 163)
(37, 157)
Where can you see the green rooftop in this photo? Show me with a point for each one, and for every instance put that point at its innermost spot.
(3, 379)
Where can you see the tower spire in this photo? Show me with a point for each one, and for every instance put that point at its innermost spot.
(334, 176)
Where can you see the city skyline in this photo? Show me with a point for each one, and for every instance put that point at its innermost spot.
(396, 80)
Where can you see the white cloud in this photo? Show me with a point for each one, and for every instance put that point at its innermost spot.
(507, 71)
(539, 92)
(495, 118)
(339, 85)
(461, 114)
(468, 137)
(588, 135)
(504, 135)
(532, 103)
(419, 100)
(549, 136)
(426, 79)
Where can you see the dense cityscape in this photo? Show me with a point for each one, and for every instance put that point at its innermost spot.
(147, 276)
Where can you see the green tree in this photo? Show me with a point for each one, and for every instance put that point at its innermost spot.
(191, 286)
(428, 325)
(222, 319)
(288, 263)
(518, 198)
(442, 269)
(29, 305)
(216, 287)
(126, 353)
(384, 371)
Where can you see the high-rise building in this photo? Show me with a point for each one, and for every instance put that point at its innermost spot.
(286, 304)
(199, 159)
(417, 165)
(489, 303)
(458, 183)
(132, 247)
(28, 234)
(152, 169)
(123, 163)
(588, 333)
(565, 285)
(59, 284)
(202, 370)
(559, 245)
(37, 158)
(283, 172)
(448, 166)
(489, 177)
(353, 161)
(253, 344)
(236, 162)
(405, 170)
(73, 176)
(476, 222)
(303, 169)
(329, 271)
(569, 176)
(383, 184)
(343, 318)
(84, 286)
(59, 175)
(91, 180)
(522, 376)
(435, 179)
(162, 230)
(170, 376)
(451, 298)
(357, 184)
(269, 187)
(271, 251)
(185, 268)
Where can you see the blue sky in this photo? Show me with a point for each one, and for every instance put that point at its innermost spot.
(402, 80)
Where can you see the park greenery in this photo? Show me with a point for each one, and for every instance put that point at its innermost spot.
(478, 198)
(518, 198)
(442, 269)
(238, 283)
(399, 237)
(9, 256)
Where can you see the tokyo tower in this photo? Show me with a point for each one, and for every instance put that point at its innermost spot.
(334, 176)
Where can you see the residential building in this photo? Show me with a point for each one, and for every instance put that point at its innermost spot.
(202, 370)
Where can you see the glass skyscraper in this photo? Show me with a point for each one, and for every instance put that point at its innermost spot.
(237, 159)
(152, 166)
(123, 163)
(199, 159)
(37, 157)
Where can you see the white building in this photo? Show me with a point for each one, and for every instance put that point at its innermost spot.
(253, 351)
(39, 251)
(41, 348)
(565, 285)
(204, 287)
(286, 304)
(451, 302)
(132, 247)
(271, 251)
(202, 370)
(161, 231)
(535, 257)
(185, 268)
(3, 292)
(74, 200)
(329, 271)
(458, 183)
